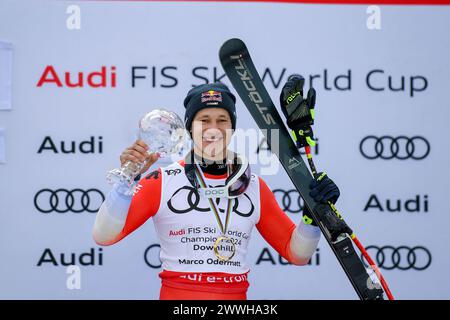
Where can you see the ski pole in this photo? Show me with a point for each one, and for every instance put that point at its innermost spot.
(353, 235)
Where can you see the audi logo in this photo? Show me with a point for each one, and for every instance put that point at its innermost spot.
(291, 201)
(243, 207)
(63, 200)
(401, 147)
(402, 258)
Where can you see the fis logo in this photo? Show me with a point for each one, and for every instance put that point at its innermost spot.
(211, 96)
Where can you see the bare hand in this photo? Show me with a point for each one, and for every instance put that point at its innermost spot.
(137, 153)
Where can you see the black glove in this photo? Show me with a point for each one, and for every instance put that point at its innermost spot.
(322, 190)
(298, 111)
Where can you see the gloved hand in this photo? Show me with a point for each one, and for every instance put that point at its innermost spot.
(322, 190)
(298, 111)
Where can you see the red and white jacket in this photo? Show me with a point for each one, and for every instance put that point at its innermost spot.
(187, 228)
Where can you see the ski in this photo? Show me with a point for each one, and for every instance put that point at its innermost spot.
(240, 70)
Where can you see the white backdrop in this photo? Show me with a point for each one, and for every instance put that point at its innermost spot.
(175, 46)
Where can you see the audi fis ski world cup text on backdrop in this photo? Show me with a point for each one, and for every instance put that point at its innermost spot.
(166, 77)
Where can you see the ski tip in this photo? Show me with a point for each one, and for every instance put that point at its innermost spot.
(234, 40)
(234, 46)
(233, 43)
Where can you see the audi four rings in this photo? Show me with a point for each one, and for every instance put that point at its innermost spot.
(291, 201)
(402, 257)
(192, 199)
(401, 147)
(63, 200)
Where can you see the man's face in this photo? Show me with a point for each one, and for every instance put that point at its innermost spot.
(212, 131)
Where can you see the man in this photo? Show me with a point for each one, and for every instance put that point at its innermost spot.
(205, 207)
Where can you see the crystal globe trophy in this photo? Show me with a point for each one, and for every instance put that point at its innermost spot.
(164, 133)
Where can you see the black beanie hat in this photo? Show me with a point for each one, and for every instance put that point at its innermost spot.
(206, 96)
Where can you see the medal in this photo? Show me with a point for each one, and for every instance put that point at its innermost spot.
(224, 244)
(224, 247)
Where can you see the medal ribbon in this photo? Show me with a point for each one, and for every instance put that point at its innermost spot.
(213, 206)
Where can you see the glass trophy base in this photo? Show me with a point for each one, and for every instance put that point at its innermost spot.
(125, 184)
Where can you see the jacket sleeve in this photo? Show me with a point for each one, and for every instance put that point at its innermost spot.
(120, 215)
(295, 244)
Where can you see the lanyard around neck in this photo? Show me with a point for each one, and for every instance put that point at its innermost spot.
(202, 182)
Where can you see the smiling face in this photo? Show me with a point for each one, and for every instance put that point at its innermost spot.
(211, 132)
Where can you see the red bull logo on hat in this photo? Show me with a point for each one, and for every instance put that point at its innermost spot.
(211, 96)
